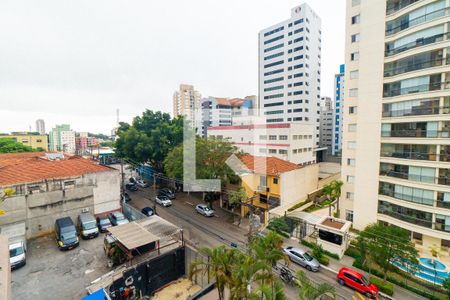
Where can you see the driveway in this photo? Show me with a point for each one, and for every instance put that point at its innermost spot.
(54, 274)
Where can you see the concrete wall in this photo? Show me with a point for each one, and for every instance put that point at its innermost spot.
(106, 191)
(297, 184)
(5, 273)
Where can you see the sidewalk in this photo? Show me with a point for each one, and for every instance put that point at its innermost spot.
(335, 265)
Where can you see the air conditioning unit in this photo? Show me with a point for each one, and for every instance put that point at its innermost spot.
(85, 210)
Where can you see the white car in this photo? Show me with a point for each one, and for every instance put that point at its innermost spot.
(141, 183)
(204, 209)
(164, 201)
(17, 255)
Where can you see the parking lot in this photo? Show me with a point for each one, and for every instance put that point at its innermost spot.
(54, 274)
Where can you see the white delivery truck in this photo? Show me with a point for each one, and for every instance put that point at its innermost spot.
(17, 244)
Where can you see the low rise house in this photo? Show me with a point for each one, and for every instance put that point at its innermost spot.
(35, 141)
(51, 185)
(271, 182)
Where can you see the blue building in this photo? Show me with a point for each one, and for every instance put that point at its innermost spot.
(339, 110)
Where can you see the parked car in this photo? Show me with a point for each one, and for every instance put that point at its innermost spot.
(133, 180)
(103, 223)
(301, 257)
(163, 200)
(117, 218)
(125, 197)
(87, 226)
(141, 183)
(66, 234)
(357, 281)
(148, 211)
(204, 209)
(167, 193)
(131, 187)
(17, 254)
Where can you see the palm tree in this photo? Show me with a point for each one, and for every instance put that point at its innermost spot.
(267, 292)
(219, 265)
(333, 192)
(310, 291)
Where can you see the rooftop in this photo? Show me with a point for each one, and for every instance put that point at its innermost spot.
(132, 235)
(19, 168)
(268, 165)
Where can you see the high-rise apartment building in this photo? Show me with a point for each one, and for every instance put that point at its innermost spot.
(289, 70)
(338, 110)
(62, 138)
(396, 142)
(187, 102)
(40, 126)
(326, 123)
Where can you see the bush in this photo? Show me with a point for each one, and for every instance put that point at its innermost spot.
(323, 260)
(298, 205)
(280, 226)
(312, 246)
(353, 252)
(387, 288)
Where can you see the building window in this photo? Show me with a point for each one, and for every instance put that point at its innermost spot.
(283, 137)
(351, 127)
(350, 195)
(272, 137)
(349, 215)
(350, 179)
(356, 19)
(351, 162)
(262, 150)
(353, 92)
(352, 110)
(275, 181)
(282, 151)
(273, 151)
(351, 145)
(354, 56)
(356, 2)
(354, 74)
(355, 37)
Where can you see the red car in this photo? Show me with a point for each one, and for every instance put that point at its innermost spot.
(358, 282)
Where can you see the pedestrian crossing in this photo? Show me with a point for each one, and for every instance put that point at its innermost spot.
(358, 296)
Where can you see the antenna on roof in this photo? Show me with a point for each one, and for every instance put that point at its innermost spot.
(117, 115)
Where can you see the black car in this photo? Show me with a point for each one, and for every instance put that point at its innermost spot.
(148, 211)
(66, 234)
(131, 187)
(166, 192)
(125, 197)
(103, 223)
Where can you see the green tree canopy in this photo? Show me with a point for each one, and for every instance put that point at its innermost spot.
(384, 243)
(149, 138)
(8, 145)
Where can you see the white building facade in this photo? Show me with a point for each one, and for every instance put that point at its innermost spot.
(186, 101)
(289, 141)
(40, 126)
(289, 70)
(326, 123)
(62, 138)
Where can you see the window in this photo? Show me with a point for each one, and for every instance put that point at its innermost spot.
(274, 47)
(272, 137)
(356, 2)
(275, 181)
(354, 74)
(351, 127)
(273, 151)
(354, 56)
(350, 179)
(351, 162)
(262, 181)
(355, 37)
(283, 137)
(352, 110)
(349, 215)
(350, 195)
(273, 39)
(263, 137)
(356, 19)
(262, 150)
(274, 64)
(282, 151)
(351, 145)
(353, 92)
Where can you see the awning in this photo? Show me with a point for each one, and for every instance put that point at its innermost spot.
(132, 235)
(307, 217)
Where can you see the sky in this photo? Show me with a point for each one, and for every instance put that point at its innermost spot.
(76, 62)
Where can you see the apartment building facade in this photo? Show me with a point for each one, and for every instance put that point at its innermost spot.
(187, 102)
(396, 142)
(289, 70)
(339, 80)
(40, 126)
(326, 123)
(62, 138)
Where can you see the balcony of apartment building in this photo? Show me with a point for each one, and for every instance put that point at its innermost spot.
(418, 107)
(423, 14)
(411, 151)
(438, 130)
(422, 84)
(393, 6)
(428, 175)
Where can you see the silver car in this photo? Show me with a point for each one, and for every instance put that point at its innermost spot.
(301, 257)
(164, 201)
(204, 209)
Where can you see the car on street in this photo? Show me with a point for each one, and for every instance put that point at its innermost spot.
(131, 187)
(148, 211)
(66, 234)
(87, 226)
(125, 197)
(357, 281)
(141, 183)
(103, 224)
(163, 200)
(117, 218)
(204, 209)
(167, 193)
(302, 258)
(17, 254)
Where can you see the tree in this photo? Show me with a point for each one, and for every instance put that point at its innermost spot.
(8, 192)
(236, 197)
(149, 138)
(8, 145)
(333, 193)
(446, 285)
(268, 292)
(279, 225)
(310, 291)
(386, 243)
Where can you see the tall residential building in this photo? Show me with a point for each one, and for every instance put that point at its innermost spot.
(326, 123)
(396, 143)
(40, 126)
(338, 110)
(221, 112)
(289, 70)
(62, 138)
(187, 102)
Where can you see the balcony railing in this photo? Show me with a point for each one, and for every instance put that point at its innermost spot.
(406, 197)
(416, 133)
(415, 177)
(442, 227)
(406, 218)
(414, 67)
(417, 43)
(411, 155)
(443, 204)
(393, 7)
(419, 20)
(417, 111)
(429, 87)
(444, 157)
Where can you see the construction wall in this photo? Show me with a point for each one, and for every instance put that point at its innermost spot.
(5, 269)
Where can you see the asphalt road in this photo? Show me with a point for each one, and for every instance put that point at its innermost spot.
(214, 231)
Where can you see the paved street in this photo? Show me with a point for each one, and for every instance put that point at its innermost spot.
(203, 231)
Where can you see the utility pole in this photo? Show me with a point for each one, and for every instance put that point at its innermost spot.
(122, 175)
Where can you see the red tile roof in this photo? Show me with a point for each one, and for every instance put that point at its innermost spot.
(230, 102)
(273, 166)
(19, 168)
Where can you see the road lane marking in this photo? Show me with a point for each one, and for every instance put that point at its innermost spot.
(354, 298)
(360, 296)
(191, 204)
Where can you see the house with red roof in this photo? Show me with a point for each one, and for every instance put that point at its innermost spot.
(273, 183)
(49, 186)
